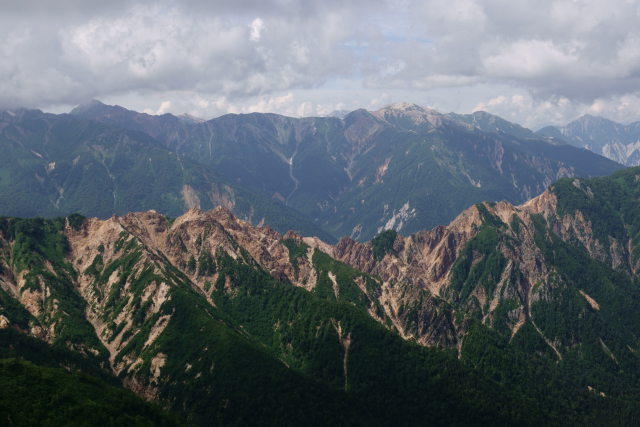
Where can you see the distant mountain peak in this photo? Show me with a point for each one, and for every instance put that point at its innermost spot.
(93, 106)
(190, 118)
(340, 114)
(590, 118)
(484, 114)
(93, 103)
(406, 107)
(403, 114)
(606, 137)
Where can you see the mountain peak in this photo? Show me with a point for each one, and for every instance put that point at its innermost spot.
(93, 103)
(339, 114)
(589, 118)
(603, 136)
(88, 106)
(406, 107)
(95, 108)
(483, 114)
(408, 115)
(190, 118)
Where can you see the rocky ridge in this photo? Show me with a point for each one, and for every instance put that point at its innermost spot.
(418, 271)
(556, 274)
(404, 166)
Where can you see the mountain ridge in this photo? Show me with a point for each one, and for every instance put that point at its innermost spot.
(613, 140)
(402, 167)
(549, 285)
(161, 314)
(60, 164)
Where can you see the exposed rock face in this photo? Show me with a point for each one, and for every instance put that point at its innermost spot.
(421, 269)
(418, 273)
(126, 269)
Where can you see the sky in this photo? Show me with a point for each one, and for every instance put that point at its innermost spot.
(532, 62)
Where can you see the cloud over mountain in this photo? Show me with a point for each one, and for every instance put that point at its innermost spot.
(212, 58)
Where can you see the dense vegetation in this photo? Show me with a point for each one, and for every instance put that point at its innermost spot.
(267, 352)
(38, 249)
(382, 244)
(579, 338)
(611, 204)
(51, 385)
(35, 395)
(392, 381)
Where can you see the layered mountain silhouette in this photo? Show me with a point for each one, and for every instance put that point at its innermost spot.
(59, 164)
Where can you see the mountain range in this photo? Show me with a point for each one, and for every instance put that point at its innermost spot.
(403, 167)
(613, 140)
(54, 165)
(510, 314)
(198, 265)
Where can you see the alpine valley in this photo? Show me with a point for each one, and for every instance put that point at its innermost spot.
(174, 293)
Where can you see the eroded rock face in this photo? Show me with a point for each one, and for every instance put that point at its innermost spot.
(423, 260)
(191, 244)
(126, 268)
(424, 263)
(413, 278)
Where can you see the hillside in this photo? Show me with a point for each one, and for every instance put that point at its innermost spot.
(506, 309)
(403, 167)
(55, 165)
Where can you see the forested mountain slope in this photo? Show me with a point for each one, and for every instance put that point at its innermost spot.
(403, 167)
(509, 314)
(52, 165)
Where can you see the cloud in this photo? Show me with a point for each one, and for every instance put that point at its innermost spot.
(240, 54)
(163, 47)
(256, 27)
(529, 58)
(534, 113)
(577, 49)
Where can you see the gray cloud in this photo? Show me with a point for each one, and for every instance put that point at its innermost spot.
(214, 57)
(168, 47)
(579, 49)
